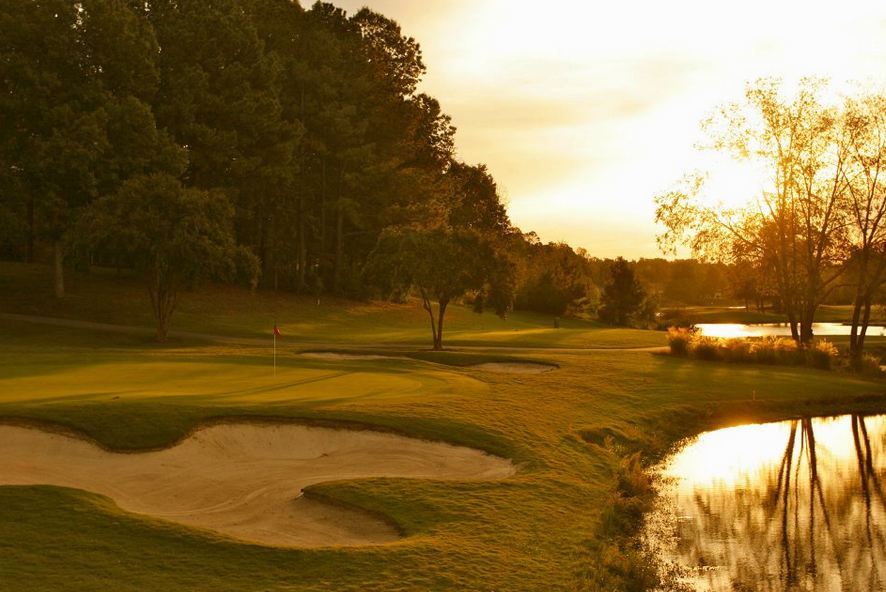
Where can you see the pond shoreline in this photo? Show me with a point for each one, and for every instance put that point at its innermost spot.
(664, 434)
(718, 500)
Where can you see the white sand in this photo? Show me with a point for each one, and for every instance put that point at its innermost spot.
(244, 480)
(515, 367)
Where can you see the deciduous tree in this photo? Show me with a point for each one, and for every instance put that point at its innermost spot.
(798, 222)
(174, 235)
(441, 266)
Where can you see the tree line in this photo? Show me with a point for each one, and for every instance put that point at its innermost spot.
(259, 142)
(817, 226)
(252, 141)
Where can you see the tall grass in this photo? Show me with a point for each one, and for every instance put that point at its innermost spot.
(769, 350)
(678, 340)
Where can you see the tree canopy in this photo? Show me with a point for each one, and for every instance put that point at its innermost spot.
(624, 300)
(442, 265)
(174, 235)
(303, 132)
(817, 223)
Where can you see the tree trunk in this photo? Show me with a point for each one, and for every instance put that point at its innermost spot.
(59, 256)
(162, 329)
(806, 320)
(323, 207)
(438, 337)
(31, 230)
(163, 294)
(301, 256)
(339, 247)
(854, 342)
(265, 254)
(792, 322)
(429, 307)
(866, 319)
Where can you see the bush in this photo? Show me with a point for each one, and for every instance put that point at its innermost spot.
(704, 348)
(763, 351)
(870, 365)
(822, 354)
(737, 350)
(776, 350)
(678, 340)
(769, 350)
(787, 352)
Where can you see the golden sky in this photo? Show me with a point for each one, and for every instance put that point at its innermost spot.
(583, 111)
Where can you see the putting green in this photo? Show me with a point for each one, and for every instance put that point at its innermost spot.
(238, 381)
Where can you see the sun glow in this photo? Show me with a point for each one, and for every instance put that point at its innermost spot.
(726, 457)
(584, 111)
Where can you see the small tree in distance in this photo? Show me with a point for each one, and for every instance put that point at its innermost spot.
(174, 235)
(623, 300)
(442, 265)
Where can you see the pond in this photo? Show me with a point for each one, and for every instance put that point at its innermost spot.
(795, 505)
(729, 330)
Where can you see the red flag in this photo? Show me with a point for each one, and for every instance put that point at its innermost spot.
(276, 330)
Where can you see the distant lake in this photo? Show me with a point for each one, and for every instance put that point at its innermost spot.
(730, 330)
(794, 505)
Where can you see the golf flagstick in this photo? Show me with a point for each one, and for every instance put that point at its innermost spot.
(276, 333)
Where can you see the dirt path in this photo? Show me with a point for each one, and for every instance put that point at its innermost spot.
(245, 480)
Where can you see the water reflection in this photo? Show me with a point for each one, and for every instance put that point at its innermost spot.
(731, 330)
(796, 505)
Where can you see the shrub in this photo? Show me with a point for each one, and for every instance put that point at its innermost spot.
(769, 350)
(787, 351)
(822, 354)
(633, 480)
(704, 348)
(678, 340)
(737, 350)
(763, 351)
(870, 365)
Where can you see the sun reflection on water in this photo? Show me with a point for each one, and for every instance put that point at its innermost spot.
(735, 330)
(795, 505)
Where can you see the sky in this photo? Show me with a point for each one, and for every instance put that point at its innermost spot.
(584, 110)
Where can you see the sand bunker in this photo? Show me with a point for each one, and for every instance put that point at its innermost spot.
(342, 356)
(515, 367)
(244, 480)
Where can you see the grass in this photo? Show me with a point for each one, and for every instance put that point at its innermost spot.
(538, 530)
(103, 296)
(561, 523)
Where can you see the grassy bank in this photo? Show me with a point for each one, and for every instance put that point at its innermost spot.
(549, 527)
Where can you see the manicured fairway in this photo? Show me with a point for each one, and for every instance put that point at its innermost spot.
(559, 523)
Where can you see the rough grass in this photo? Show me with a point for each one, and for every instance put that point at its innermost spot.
(106, 297)
(553, 526)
